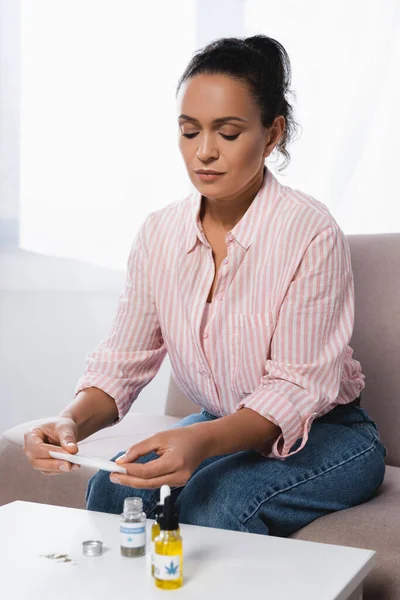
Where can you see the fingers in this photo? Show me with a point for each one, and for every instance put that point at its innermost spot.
(35, 447)
(37, 452)
(67, 438)
(140, 449)
(55, 472)
(33, 438)
(153, 474)
(154, 468)
(53, 466)
(69, 445)
(173, 480)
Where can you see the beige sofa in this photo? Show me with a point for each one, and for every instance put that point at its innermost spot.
(376, 343)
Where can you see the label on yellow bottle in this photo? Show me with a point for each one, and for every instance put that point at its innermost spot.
(167, 567)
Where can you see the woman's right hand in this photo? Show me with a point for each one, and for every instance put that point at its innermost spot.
(54, 435)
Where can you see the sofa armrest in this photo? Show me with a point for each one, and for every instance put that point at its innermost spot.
(19, 481)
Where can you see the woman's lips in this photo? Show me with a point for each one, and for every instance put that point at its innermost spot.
(206, 177)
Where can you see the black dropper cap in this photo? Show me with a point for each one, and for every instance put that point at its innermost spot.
(165, 491)
(169, 517)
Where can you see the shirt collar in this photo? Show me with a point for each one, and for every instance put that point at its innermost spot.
(247, 228)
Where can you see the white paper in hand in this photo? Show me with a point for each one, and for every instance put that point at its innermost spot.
(98, 463)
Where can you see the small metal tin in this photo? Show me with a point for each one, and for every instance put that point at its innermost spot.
(92, 548)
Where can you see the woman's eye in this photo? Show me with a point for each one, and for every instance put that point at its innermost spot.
(227, 137)
(230, 137)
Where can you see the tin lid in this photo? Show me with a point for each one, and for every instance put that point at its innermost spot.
(92, 548)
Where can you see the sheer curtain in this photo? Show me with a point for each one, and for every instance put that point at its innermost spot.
(345, 58)
(98, 122)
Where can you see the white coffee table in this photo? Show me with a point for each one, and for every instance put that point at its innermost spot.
(216, 563)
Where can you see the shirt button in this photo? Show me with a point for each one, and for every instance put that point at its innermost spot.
(220, 298)
(205, 335)
(229, 237)
(226, 261)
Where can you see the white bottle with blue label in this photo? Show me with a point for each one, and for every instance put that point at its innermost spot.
(133, 528)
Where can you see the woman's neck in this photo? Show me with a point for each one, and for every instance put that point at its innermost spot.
(227, 212)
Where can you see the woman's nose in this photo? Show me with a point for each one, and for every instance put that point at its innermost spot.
(206, 148)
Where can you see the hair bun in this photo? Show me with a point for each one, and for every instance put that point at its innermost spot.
(274, 54)
(260, 42)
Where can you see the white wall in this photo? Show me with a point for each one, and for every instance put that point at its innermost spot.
(47, 326)
(9, 120)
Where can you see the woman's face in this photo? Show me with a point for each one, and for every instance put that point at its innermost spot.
(236, 148)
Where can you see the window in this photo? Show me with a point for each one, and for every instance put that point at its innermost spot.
(98, 122)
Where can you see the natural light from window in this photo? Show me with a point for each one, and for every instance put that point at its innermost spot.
(98, 122)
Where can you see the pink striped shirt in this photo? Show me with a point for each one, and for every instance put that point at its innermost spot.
(281, 319)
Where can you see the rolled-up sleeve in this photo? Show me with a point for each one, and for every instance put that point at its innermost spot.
(133, 350)
(309, 344)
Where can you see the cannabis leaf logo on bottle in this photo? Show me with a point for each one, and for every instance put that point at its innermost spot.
(130, 539)
(172, 569)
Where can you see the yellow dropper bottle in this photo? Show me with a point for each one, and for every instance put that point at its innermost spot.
(168, 558)
(155, 529)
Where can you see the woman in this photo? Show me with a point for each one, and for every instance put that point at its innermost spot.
(247, 284)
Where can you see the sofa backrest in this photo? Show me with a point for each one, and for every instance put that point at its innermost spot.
(375, 341)
(376, 337)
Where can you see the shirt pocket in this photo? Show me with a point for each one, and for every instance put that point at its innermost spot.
(252, 334)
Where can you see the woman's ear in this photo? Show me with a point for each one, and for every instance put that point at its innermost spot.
(274, 134)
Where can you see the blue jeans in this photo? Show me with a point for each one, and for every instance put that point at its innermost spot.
(341, 465)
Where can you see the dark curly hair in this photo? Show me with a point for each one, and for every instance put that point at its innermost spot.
(263, 64)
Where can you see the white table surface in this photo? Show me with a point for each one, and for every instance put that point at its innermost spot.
(216, 563)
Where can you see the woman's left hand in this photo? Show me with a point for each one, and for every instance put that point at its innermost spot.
(181, 450)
